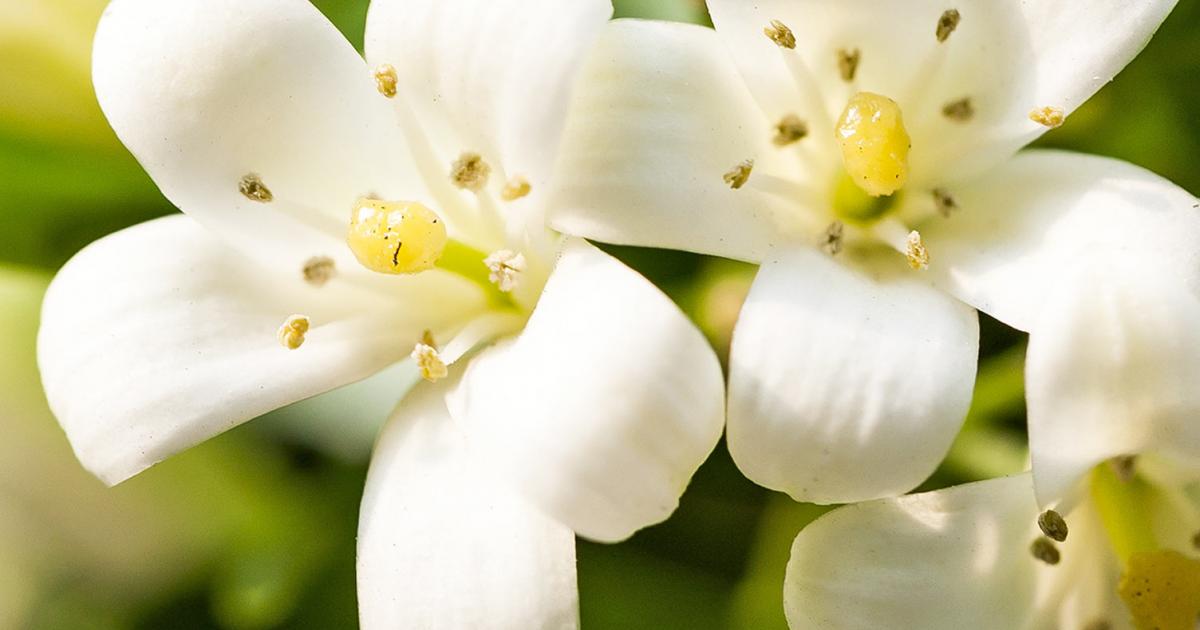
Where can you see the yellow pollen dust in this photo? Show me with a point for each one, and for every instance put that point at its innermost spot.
(1162, 590)
(396, 237)
(874, 144)
(429, 361)
(291, 333)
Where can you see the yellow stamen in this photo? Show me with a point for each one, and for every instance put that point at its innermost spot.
(428, 361)
(1051, 117)
(319, 270)
(947, 24)
(1162, 590)
(848, 63)
(504, 269)
(253, 188)
(386, 80)
(396, 237)
(740, 174)
(789, 130)
(291, 333)
(470, 172)
(961, 110)
(874, 144)
(779, 33)
(516, 188)
(915, 251)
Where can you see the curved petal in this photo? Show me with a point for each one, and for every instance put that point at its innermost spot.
(497, 74)
(1008, 58)
(208, 92)
(158, 337)
(1018, 229)
(658, 120)
(442, 545)
(955, 558)
(846, 384)
(605, 406)
(1112, 368)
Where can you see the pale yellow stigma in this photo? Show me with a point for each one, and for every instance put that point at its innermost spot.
(874, 144)
(1051, 117)
(1162, 590)
(428, 361)
(291, 333)
(915, 251)
(504, 269)
(516, 188)
(396, 237)
(386, 80)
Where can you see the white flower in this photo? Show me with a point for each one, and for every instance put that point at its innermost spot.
(1116, 447)
(589, 399)
(853, 360)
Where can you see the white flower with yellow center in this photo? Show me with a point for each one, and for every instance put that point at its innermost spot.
(1105, 535)
(862, 152)
(344, 216)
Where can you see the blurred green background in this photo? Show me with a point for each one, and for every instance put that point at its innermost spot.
(256, 529)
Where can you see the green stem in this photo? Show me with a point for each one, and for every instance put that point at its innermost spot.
(467, 262)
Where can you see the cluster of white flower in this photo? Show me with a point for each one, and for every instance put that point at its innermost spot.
(431, 203)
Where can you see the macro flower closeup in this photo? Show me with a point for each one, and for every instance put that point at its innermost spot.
(865, 155)
(345, 215)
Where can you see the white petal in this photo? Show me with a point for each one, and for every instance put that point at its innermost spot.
(495, 75)
(605, 406)
(659, 118)
(1008, 58)
(1019, 228)
(206, 92)
(159, 337)
(956, 558)
(847, 384)
(443, 545)
(1112, 368)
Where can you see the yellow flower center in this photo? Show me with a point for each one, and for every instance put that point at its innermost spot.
(874, 144)
(396, 237)
(1162, 590)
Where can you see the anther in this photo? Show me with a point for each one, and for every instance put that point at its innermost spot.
(386, 80)
(1053, 525)
(831, 239)
(848, 63)
(1124, 467)
(740, 174)
(790, 130)
(505, 268)
(947, 24)
(470, 172)
(516, 188)
(1099, 624)
(253, 188)
(914, 250)
(291, 333)
(1196, 540)
(429, 362)
(779, 33)
(1051, 117)
(1044, 549)
(874, 144)
(396, 237)
(946, 205)
(319, 270)
(961, 110)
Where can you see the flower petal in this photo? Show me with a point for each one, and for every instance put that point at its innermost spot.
(159, 337)
(441, 544)
(1111, 371)
(846, 384)
(659, 118)
(605, 406)
(1017, 230)
(208, 92)
(1053, 55)
(495, 76)
(955, 558)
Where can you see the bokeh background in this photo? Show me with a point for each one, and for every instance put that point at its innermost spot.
(256, 529)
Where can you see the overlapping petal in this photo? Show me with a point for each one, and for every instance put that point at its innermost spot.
(659, 118)
(208, 92)
(606, 404)
(493, 77)
(444, 545)
(847, 383)
(956, 558)
(1111, 371)
(160, 336)
(1019, 229)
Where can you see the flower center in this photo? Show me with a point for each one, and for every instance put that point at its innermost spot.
(874, 144)
(396, 237)
(1162, 589)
